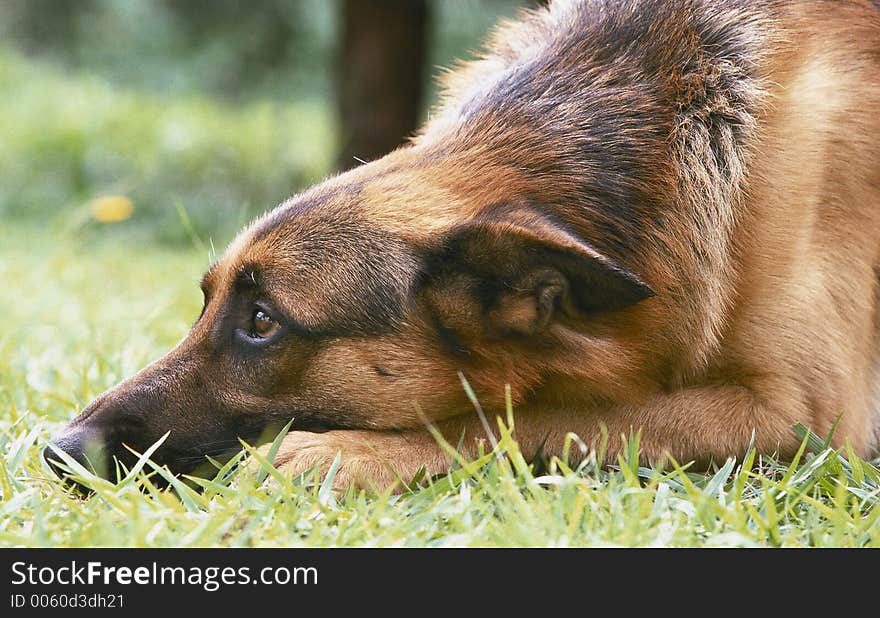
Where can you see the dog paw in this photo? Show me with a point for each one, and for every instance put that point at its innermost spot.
(360, 465)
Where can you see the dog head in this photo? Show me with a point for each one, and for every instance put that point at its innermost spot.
(356, 305)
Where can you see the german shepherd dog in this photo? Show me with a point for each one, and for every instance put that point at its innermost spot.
(629, 214)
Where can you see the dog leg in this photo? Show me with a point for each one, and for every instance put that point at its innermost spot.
(695, 423)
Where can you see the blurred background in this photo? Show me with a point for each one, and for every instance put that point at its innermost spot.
(177, 121)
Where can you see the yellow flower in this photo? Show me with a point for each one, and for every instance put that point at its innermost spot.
(111, 208)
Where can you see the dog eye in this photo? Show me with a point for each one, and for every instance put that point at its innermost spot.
(263, 326)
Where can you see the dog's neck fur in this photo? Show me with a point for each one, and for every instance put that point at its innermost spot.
(638, 144)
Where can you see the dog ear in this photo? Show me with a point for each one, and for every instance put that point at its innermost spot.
(522, 268)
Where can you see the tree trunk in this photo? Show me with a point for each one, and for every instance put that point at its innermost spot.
(380, 75)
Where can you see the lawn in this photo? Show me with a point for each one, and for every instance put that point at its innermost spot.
(86, 303)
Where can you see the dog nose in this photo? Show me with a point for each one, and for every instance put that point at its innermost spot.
(84, 445)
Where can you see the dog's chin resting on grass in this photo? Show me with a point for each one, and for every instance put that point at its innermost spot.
(655, 215)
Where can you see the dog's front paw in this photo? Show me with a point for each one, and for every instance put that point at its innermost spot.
(360, 465)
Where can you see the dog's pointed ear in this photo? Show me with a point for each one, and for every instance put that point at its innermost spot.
(522, 269)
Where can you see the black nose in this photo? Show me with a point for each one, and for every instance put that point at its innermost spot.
(84, 445)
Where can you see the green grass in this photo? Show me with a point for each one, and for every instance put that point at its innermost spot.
(80, 316)
(68, 139)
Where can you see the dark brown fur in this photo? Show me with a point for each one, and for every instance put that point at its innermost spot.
(636, 214)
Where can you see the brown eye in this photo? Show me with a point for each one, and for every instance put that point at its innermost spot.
(262, 325)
